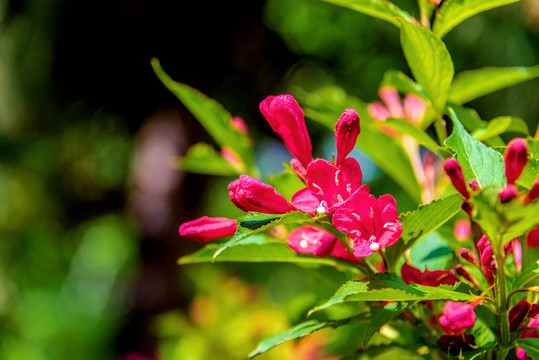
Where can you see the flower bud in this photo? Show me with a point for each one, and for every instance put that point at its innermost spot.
(467, 255)
(474, 185)
(250, 194)
(346, 132)
(517, 314)
(454, 171)
(232, 158)
(466, 275)
(516, 158)
(532, 238)
(286, 118)
(205, 228)
(239, 124)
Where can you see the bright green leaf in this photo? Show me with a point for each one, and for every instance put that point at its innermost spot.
(501, 125)
(202, 158)
(211, 115)
(472, 84)
(430, 62)
(404, 127)
(472, 122)
(381, 9)
(390, 287)
(453, 12)
(477, 160)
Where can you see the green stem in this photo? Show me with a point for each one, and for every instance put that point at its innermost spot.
(503, 305)
(441, 131)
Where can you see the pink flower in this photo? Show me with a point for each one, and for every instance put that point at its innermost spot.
(462, 229)
(412, 275)
(534, 192)
(250, 194)
(391, 98)
(474, 185)
(310, 240)
(454, 171)
(330, 186)
(205, 228)
(457, 317)
(532, 238)
(508, 193)
(340, 251)
(372, 223)
(286, 118)
(347, 130)
(467, 255)
(239, 124)
(534, 322)
(414, 109)
(516, 158)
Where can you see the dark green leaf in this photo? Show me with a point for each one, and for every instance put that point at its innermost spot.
(453, 12)
(531, 346)
(381, 9)
(477, 160)
(202, 158)
(297, 331)
(527, 276)
(390, 287)
(210, 114)
(430, 62)
(501, 125)
(382, 317)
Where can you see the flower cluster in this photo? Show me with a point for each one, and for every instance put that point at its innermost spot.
(333, 190)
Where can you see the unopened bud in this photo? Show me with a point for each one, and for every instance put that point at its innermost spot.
(466, 275)
(454, 171)
(507, 194)
(346, 132)
(516, 158)
(474, 185)
(534, 192)
(467, 255)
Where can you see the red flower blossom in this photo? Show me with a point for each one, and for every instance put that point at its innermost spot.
(330, 186)
(310, 240)
(516, 158)
(454, 171)
(205, 228)
(412, 275)
(250, 194)
(372, 223)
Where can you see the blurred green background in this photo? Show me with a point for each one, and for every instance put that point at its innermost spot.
(90, 204)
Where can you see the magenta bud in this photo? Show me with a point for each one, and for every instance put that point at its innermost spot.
(474, 185)
(346, 132)
(454, 171)
(486, 255)
(507, 194)
(310, 240)
(287, 119)
(517, 314)
(205, 228)
(250, 194)
(467, 255)
(466, 275)
(412, 275)
(457, 317)
(532, 238)
(239, 124)
(516, 158)
(534, 192)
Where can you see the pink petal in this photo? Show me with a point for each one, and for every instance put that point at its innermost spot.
(516, 158)
(250, 194)
(414, 109)
(391, 98)
(305, 201)
(310, 240)
(347, 130)
(205, 228)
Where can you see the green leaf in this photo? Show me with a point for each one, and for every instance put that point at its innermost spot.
(527, 276)
(477, 160)
(531, 346)
(471, 121)
(296, 332)
(260, 248)
(453, 12)
(253, 223)
(390, 287)
(402, 83)
(202, 158)
(381, 9)
(530, 174)
(430, 62)
(472, 84)
(404, 127)
(211, 115)
(501, 125)
(382, 317)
